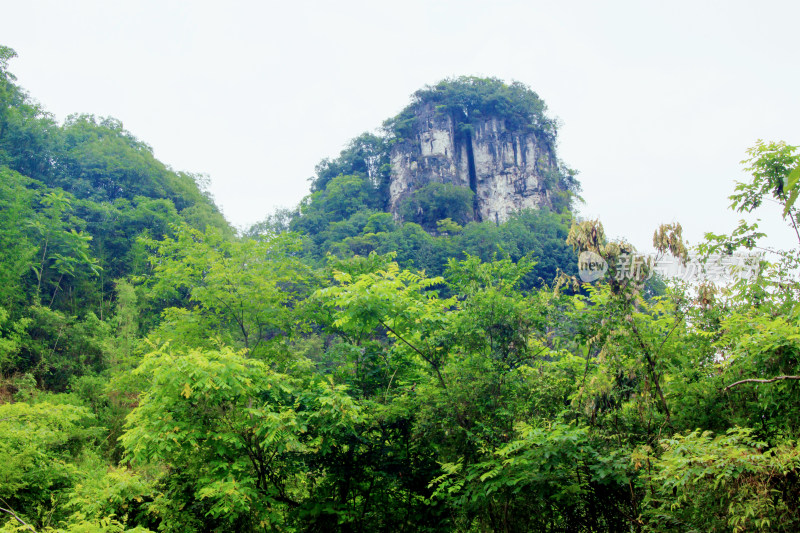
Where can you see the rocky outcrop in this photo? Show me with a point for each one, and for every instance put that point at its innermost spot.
(506, 169)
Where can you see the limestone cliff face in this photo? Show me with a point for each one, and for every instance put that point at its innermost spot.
(505, 169)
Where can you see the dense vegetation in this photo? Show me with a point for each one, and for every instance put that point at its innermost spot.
(346, 212)
(468, 99)
(160, 373)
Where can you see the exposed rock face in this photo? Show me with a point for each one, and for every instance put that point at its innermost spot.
(505, 169)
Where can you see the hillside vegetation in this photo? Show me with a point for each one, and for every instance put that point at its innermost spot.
(335, 369)
(347, 210)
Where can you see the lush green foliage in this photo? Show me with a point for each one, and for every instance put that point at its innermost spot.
(158, 373)
(365, 156)
(729, 482)
(346, 212)
(437, 202)
(468, 99)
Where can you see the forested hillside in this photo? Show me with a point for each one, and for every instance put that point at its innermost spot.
(348, 210)
(337, 368)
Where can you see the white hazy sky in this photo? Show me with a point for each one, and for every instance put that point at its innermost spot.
(658, 100)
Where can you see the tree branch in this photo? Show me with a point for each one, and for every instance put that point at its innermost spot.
(794, 225)
(18, 519)
(776, 378)
(651, 363)
(424, 357)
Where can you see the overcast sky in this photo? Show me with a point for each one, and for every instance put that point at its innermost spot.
(658, 100)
